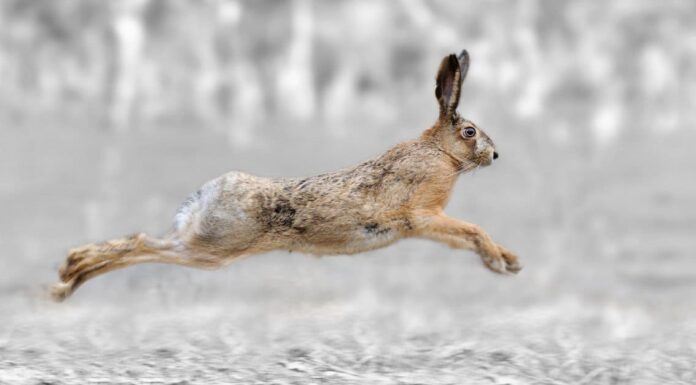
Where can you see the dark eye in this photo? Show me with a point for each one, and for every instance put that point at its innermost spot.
(469, 132)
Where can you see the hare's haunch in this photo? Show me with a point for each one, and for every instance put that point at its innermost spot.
(399, 194)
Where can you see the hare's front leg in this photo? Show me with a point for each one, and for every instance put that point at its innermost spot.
(462, 235)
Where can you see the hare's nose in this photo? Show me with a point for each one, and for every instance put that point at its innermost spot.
(495, 155)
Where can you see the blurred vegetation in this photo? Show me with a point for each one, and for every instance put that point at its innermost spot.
(236, 65)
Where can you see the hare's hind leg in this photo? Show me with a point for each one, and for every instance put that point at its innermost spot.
(469, 236)
(89, 261)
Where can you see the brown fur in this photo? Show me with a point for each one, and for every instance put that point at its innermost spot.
(399, 194)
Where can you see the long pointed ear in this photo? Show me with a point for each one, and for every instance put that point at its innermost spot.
(449, 80)
(463, 63)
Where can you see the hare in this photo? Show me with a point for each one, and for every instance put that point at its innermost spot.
(399, 194)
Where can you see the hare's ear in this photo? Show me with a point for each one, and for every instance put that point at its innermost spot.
(449, 80)
(463, 63)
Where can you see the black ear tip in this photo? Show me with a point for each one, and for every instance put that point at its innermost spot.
(464, 55)
(453, 61)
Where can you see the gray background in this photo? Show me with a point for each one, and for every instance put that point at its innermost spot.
(112, 112)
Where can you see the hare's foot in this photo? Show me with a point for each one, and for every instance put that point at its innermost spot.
(76, 255)
(495, 264)
(504, 263)
(61, 290)
(512, 262)
(76, 261)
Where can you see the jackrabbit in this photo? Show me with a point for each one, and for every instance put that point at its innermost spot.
(401, 193)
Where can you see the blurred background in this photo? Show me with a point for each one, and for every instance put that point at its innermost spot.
(112, 112)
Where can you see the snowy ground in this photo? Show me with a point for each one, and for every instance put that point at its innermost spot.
(469, 329)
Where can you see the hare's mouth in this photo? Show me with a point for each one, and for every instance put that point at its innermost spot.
(475, 163)
(484, 160)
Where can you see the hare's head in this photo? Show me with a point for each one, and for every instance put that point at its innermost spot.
(461, 138)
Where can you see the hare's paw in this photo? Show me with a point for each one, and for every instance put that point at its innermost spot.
(76, 255)
(75, 263)
(62, 290)
(504, 263)
(512, 263)
(69, 269)
(495, 264)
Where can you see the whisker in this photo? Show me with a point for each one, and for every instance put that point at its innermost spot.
(465, 168)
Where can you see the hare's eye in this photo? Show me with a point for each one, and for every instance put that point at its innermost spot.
(469, 132)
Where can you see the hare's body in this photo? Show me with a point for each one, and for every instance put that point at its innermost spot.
(401, 193)
(343, 212)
